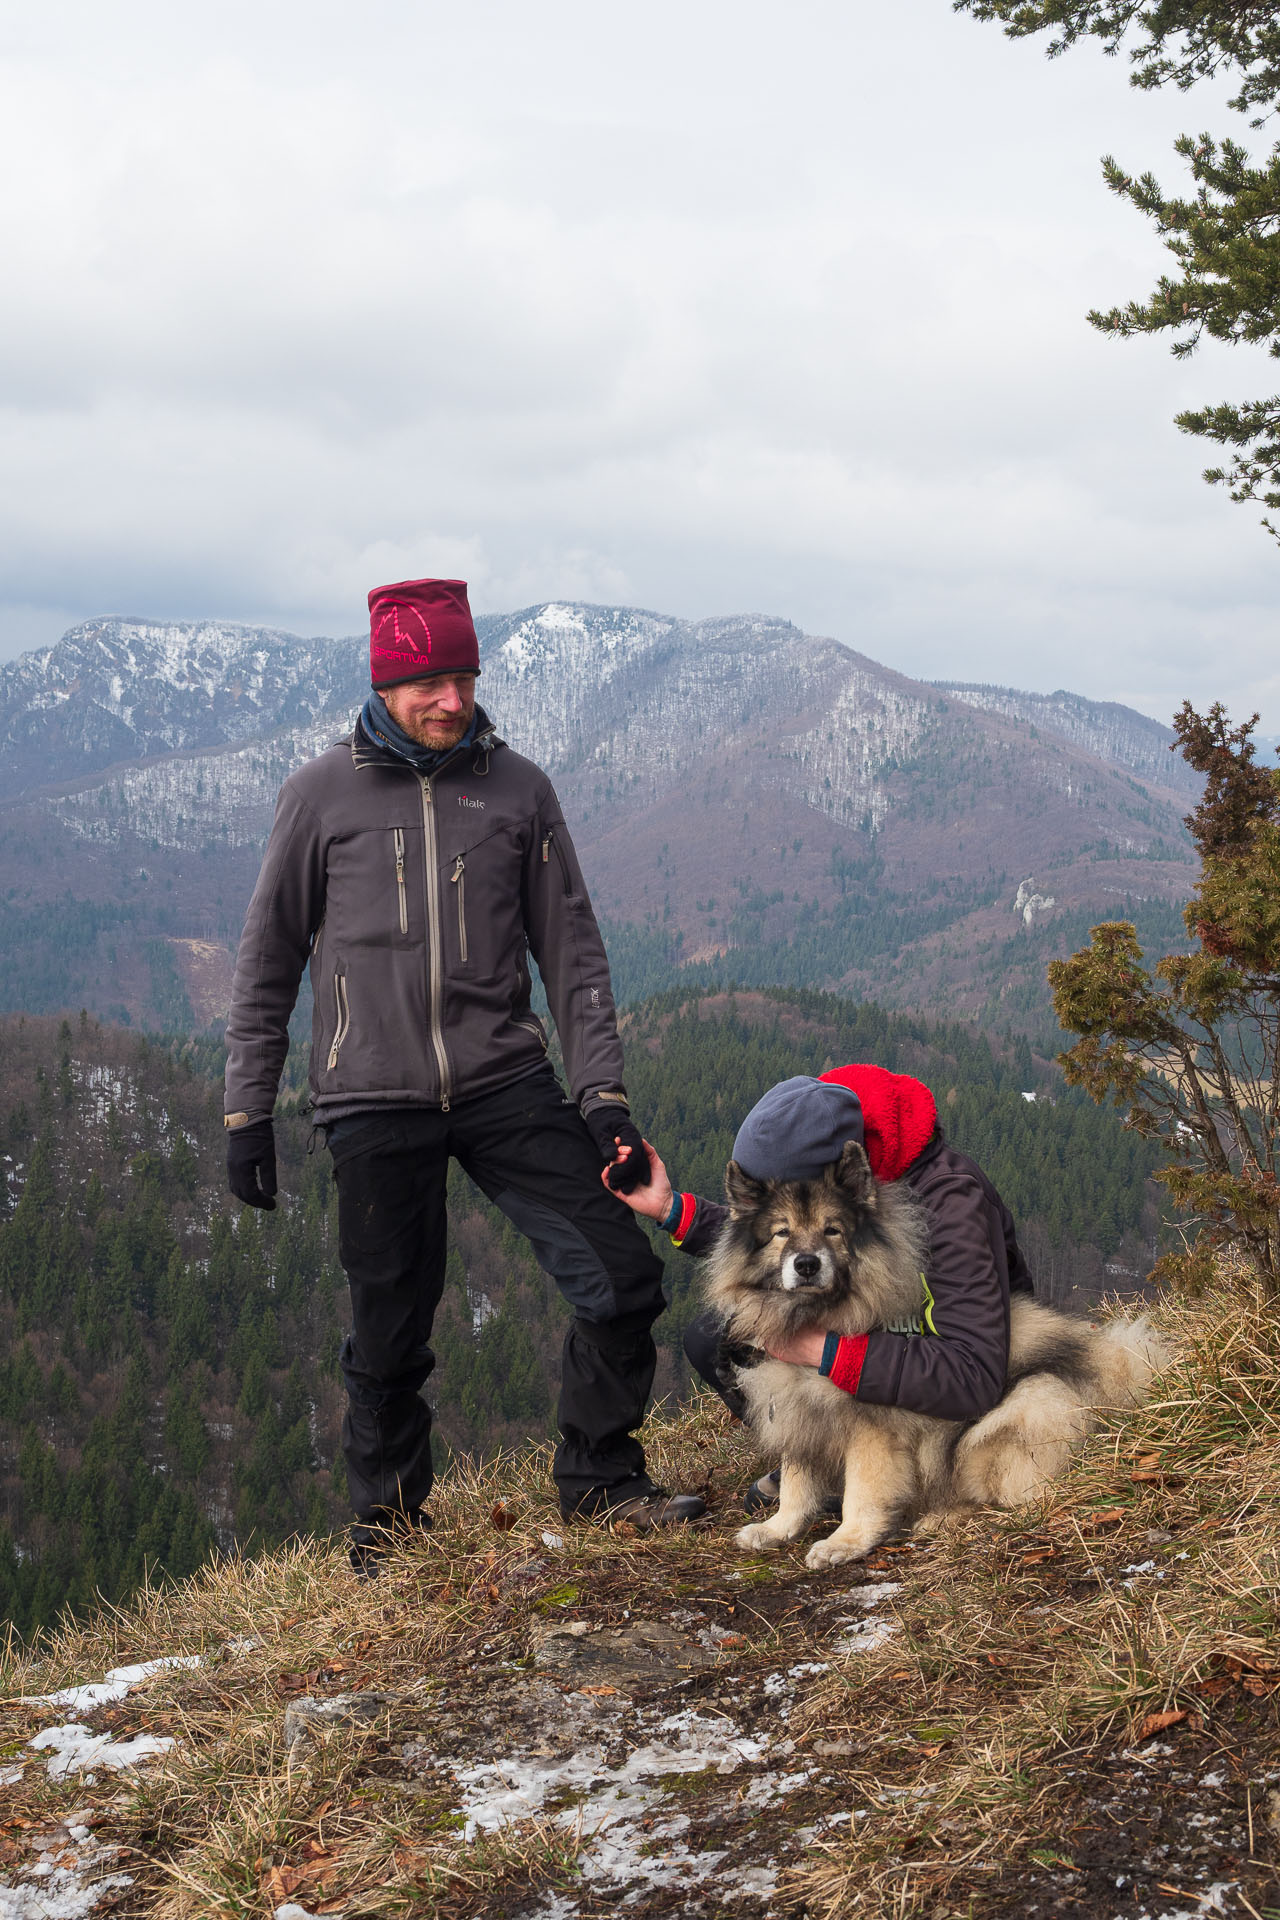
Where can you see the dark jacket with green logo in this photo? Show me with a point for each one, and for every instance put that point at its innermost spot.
(417, 901)
(956, 1367)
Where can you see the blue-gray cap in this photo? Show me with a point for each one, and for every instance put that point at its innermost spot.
(798, 1128)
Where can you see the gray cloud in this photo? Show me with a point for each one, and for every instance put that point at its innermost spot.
(708, 308)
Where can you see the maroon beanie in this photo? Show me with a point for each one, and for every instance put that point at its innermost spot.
(417, 627)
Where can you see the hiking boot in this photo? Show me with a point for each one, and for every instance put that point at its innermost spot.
(646, 1511)
(762, 1495)
(370, 1545)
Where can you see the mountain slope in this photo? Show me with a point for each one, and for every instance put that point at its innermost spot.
(750, 802)
(1116, 733)
(114, 690)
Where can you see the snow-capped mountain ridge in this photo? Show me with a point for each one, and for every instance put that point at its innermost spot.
(736, 788)
(119, 690)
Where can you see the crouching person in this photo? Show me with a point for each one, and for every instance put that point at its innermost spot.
(951, 1361)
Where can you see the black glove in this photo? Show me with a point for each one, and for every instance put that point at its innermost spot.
(251, 1164)
(611, 1128)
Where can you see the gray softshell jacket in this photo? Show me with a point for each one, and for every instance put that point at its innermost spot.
(417, 901)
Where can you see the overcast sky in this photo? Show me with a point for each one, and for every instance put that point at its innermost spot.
(707, 307)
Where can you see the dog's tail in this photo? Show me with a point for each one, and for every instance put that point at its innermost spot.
(1027, 1440)
(1127, 1355)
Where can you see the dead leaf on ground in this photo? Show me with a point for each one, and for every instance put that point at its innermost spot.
(1109, 1517)
(502, 1518)
(1158, 1722)
(594, 1692)
(282, 1882)
(1038, 1554)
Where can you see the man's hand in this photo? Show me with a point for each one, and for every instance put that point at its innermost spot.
(653, 1196)
(805, 1350)
(251, 1164)
(614, 1129)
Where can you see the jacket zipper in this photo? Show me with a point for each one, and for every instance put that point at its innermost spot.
(548, 843)
(435, 954)
(533, 1026)
(403, 897)
(344, 1018)
(457, 878)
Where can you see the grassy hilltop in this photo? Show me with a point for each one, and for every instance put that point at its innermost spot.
(1072, 1709)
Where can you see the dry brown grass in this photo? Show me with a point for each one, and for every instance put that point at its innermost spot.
(1022, 1663)
(1027, 1650)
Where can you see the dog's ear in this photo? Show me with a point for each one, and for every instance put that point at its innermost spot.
(852, 1174)
(742, 1192)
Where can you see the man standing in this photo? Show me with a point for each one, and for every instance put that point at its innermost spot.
(416, 866)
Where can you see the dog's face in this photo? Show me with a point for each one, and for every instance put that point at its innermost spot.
(801, 1237)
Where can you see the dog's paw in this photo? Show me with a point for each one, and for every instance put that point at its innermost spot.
(757, 1539)
(834, 1551)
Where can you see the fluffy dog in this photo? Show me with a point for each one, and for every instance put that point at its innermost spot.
(845, 1253)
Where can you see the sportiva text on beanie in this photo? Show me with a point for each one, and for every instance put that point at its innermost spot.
(419, 627)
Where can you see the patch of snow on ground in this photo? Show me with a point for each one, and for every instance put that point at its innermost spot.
(773, 1786)
(103, 1693)
(73, 1749)
(777, 1683)
(1145, 1567)
(62, 1891)
(864, 1636)
(608, 1805)
(513, 1789)
(1206, 1903)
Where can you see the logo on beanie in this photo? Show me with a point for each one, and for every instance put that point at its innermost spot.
(393, 640)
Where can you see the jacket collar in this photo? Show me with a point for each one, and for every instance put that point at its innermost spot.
(929, 1151)
(366, 752)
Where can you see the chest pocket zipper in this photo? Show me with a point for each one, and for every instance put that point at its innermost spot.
(344, 1018)
(402, 896)
(460, 883)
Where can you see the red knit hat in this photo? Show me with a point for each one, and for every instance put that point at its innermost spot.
(898, 1115)
(419, 627)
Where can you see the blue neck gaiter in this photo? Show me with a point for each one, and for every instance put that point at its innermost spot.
(379, 726)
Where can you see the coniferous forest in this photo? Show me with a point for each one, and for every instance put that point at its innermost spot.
(169, 1385)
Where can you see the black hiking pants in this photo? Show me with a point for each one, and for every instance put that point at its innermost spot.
(528, 1149)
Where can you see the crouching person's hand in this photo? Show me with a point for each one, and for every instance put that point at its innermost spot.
(251, 1163)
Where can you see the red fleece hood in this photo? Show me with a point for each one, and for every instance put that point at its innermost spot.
(899, 1115)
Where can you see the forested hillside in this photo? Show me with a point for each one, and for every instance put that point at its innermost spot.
(169, 1383)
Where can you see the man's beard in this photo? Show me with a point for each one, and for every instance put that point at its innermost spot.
(438, 735)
